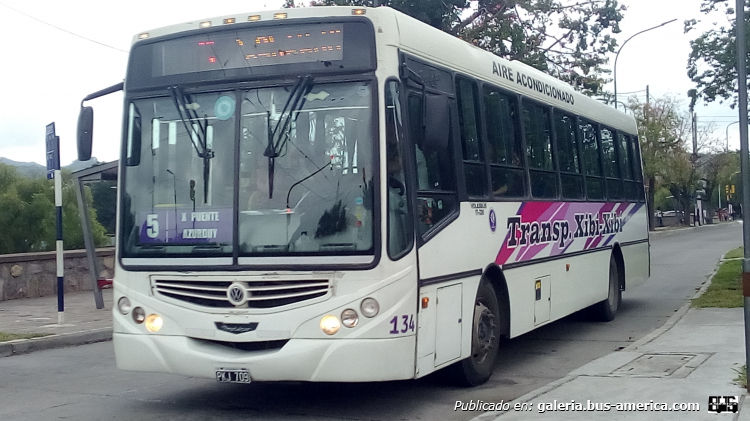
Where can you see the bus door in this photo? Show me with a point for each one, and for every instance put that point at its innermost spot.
(431, 117)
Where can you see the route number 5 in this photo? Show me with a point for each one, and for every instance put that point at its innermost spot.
(152, 226)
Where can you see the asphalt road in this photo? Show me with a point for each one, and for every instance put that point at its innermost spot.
(82, 383)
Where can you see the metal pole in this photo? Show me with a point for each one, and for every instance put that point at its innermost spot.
(623, 44)
(745, 168)
(59, 249)
(88, 241)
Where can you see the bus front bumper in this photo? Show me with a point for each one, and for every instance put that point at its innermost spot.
(318, 360)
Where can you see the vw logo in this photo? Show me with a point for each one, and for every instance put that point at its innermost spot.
(237, 294)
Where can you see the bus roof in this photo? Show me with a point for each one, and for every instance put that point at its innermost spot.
(421, 40)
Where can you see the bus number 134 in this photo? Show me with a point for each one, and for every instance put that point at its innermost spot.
(407, 324)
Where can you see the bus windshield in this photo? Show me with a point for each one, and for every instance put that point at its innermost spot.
(298, 164)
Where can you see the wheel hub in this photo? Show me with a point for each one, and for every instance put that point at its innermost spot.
(484, 332)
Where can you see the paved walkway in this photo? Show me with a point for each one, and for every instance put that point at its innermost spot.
(692, 357)
(83, 323)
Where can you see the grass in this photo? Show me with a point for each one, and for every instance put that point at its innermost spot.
(735, 254)
(725, 290)
(741, 379)
(5, 337)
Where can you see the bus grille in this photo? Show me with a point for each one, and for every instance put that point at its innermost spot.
(260, 293)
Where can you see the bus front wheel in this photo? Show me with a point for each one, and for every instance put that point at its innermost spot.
(485, 339)
(606, 310)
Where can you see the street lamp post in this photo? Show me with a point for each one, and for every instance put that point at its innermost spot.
(744, 168)
(623, 44)
(727, 132)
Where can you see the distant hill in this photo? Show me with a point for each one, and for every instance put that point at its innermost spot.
(32, 169)
(81, 165)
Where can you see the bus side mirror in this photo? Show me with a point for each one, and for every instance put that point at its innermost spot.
(437, 122)
(85, 133)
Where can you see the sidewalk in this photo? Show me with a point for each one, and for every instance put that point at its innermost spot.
(83, 323)
(691, 357)
(694, 355)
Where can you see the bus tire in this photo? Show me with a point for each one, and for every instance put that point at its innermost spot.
(485, 339)
(606, 310)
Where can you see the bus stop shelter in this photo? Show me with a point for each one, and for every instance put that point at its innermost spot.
(104, 172)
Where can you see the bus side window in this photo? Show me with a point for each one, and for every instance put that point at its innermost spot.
(611, 167)
(637, 170)
(626, 168)
(471, 146)
(503, 138)
(436, 196)
(591, 164)
(539, 151)
(570, 171)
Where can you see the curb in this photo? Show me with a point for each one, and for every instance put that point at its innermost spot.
(663, 231)
(673, 319)
(24, 346)
(678, 315)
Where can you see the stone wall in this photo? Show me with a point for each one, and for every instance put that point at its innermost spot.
(35, 274)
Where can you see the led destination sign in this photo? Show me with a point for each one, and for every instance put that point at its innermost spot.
(248, 48)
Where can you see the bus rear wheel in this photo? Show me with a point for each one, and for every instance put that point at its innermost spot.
(485, 339)
(606, 310)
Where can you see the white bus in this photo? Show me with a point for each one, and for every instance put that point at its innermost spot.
(347, 194)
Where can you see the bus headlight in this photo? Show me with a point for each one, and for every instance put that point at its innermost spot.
(370, 307)
(123, 305)
(139, 315)
(154, 322)
(349, 318)
(329, 324)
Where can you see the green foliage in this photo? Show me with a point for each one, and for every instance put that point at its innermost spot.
(663, 199)
(662, 130)
(5, 337)
(716, 169)
(713, 57)
(665, 135)
(105, 203)
(737, 253)
(566, 38)
(741, 379)
(27, 214)
(725, 290)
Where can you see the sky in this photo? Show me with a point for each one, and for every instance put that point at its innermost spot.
(81, 47)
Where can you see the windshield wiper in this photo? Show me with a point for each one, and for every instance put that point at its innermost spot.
(300, 181)
(278, 137)
(181, 100)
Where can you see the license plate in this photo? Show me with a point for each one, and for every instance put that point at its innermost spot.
(239, 375)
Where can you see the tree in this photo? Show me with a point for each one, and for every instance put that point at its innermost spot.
(568, 39)
(24, 206)
(27, 214)
(661, 130)
(680, 179)
(728, 177)
(72, 231)
(105, 203)
(713, 56)
(714, 170)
